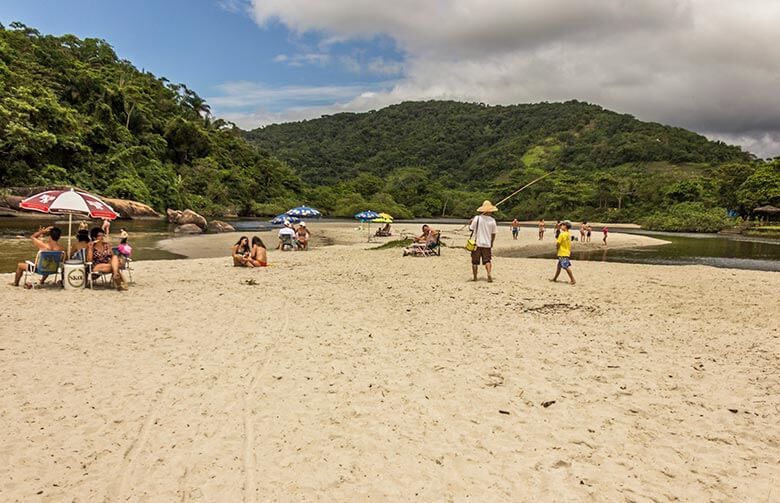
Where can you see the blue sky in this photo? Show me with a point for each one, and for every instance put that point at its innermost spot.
(213, 46)
(711, 66)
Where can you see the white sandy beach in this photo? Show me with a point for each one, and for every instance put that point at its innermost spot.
(352, 375)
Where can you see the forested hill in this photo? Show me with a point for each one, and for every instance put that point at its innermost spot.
(443, 157)
(72, 112)
(473, 142)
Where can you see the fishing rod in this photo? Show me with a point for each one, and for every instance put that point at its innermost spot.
(518, 191)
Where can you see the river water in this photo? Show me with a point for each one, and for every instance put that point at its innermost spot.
(707, 249)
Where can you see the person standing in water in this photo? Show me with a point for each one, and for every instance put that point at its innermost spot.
(605, 231)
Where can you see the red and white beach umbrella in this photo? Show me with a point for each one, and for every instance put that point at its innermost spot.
(70, 202)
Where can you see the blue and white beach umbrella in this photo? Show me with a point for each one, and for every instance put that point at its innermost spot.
(304, 212)
(284, 218)
(367, 216)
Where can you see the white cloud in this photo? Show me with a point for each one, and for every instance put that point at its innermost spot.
(708, 65)
(235, 6)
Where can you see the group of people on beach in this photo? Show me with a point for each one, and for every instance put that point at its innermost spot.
(483, 229)
(585, 230)
(92, 248)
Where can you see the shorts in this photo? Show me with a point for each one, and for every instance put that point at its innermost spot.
(486, 254)
(515, 231)
(564, 262)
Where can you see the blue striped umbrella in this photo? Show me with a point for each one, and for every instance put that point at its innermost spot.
(367, 216)
(284, 218)
(304, 212)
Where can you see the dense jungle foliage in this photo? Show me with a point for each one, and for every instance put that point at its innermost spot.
(72, 112)
(444, 158)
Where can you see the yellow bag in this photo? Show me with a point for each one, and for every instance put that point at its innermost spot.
(471, 244)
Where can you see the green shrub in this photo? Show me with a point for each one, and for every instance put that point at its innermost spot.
(689, 217)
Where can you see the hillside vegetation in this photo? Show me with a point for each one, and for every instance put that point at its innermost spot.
(72, 112)
(443, 158)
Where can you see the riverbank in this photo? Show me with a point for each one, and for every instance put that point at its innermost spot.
(453, 236)
(343, 374)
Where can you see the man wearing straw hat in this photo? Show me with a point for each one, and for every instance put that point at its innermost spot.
(484, 228)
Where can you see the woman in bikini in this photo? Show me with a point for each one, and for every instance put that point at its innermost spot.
(240, 252)
(302, 236)
(103, 259)
(259, 256)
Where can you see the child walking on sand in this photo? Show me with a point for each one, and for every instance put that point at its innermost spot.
(563, 247)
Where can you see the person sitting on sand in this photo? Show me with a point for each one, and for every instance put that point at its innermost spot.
(302, 235)
(384, 231)
(259, 255)
(52, 244)
(79, 251)
(103, 259)
(286, 236)
(241, 253)
(427, 240)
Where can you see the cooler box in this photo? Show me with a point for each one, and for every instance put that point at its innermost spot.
(74, 275)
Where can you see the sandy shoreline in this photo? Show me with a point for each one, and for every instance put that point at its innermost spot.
(349, 375)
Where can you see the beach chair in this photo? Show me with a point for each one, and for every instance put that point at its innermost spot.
(429, 251)
(105, 278)
(288, 243)
(47, 263)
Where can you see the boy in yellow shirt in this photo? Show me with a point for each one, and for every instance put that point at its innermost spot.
(563, 247)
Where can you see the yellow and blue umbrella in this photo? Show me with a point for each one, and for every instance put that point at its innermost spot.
(383, 218)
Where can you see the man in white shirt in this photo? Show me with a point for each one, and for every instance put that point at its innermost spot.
(287, 230)
(484, 228)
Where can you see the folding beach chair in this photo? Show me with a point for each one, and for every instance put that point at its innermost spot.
(288, 243)
(47, 263)
(105, 278)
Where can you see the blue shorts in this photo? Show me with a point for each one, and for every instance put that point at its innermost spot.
(515, 231)
(564, 262)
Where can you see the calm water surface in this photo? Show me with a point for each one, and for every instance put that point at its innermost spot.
(707, 249)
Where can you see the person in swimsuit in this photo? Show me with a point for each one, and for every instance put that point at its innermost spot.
(52, 244)
(583, 227)
(606, 233)
(302, 236)
(241, 252)
(515, 229)
(106, 226)
(259, 255)
(541, 229)
(103, 259)
(588, 230)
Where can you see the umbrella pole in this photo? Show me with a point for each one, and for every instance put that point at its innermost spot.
(70, 222)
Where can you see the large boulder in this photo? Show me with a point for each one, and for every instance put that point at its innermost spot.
(172, 215)
(185, 217)
(188, 229)
(190, 217)
(220, 226)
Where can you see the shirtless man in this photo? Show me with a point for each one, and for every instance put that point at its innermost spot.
(541, 229)
(52, 244)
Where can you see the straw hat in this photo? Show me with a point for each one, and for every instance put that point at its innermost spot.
(487, 207)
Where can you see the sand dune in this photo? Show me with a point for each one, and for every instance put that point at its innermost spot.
(348, 375)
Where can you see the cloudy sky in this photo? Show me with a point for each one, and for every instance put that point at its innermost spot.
(712, 66)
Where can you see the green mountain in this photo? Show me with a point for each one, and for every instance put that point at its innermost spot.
(442, 158)
(72, 112)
